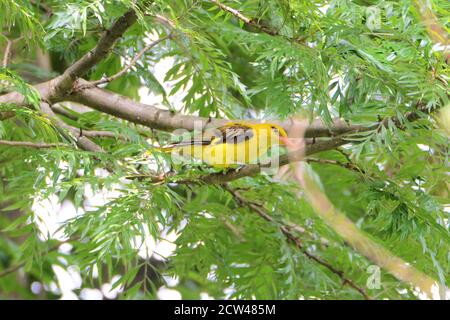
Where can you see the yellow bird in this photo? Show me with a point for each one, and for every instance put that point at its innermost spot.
(235, 143)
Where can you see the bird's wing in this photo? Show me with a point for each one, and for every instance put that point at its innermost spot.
(190, 143)
(235, 133)
(230, 133)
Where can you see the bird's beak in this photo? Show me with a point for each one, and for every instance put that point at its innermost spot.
(287, 142)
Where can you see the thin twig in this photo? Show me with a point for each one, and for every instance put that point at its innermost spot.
(9, 44)
(286, 230)
(245, 19)
(34, 145)
(168, 23)
(7, 53)
(346, 165)
(253, 22)
(82, 142)
(16, 267)
(233, 229)
(102, 134)
(11, 269)
(64, 111)
(4, 115)
(47, 10)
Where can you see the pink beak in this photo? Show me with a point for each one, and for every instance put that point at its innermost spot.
(287, 142)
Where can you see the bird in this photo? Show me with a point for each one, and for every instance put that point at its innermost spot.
(235, 143)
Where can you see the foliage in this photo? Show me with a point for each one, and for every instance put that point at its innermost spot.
(77, 210)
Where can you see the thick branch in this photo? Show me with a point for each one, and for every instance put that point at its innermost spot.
(136, 112)
(128, 66)
(46, 90)
(253, 169)
(55, 89)
(156, 118)
(105, 43)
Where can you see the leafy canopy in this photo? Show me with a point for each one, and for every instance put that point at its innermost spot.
(79, 211)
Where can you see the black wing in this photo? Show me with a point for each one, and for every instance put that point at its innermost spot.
(232, 134)
(191, 143)
(235, 133)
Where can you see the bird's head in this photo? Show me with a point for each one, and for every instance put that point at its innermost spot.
(280, 132)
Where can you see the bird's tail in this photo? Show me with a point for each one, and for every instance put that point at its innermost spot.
(164, 149)
(180, 146)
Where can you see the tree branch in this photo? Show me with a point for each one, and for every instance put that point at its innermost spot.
(4, 115)
(19, 265)
(245, 19)
(286, 230)
(253, 169)
(157, 118)
(34, 145)
(126, 68)
(64, 111)
(136, 112)
(101, 134)
(354, 237)
(55, 89)
(346, 165)
(253, 23)
(7, 53)
(105, 43)
(81, 141)
(11, 269)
